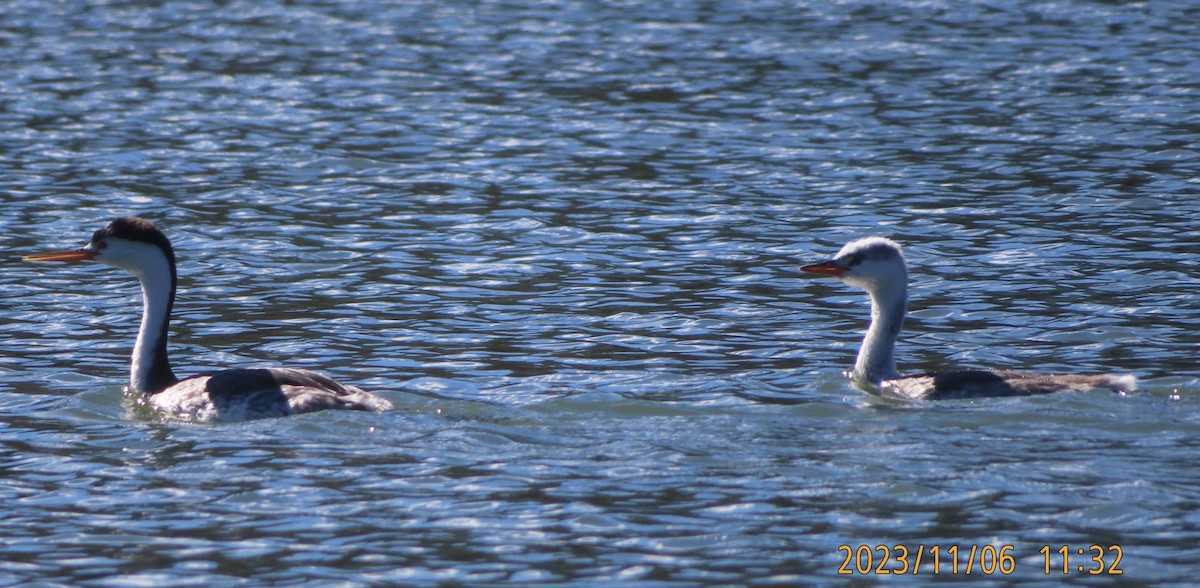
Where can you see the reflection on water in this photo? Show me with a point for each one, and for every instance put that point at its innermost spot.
(563, 239)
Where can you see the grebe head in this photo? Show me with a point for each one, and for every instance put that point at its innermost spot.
(874, 264)
(133, 244)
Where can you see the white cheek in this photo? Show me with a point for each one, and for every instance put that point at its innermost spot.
(131, 257)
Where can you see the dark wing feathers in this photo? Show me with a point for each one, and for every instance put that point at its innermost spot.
(960, 384)
(242, 394)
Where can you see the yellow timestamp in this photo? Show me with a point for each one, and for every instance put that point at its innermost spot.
(1098, 559)
(974, 559)
(927, 559)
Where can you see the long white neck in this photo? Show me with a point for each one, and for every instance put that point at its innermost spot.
(150, 369)
(877, 356)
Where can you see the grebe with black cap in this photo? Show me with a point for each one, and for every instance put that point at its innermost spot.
(137, 246)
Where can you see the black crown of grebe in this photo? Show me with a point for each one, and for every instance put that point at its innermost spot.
(137, 246)
(877, 265)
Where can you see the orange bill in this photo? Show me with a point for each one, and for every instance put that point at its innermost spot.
(74, 255)
(827, 268)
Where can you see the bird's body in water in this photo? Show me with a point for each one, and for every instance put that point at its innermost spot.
(137, 246)
(877, 265)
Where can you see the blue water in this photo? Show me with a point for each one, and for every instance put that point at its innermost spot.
(563, 239)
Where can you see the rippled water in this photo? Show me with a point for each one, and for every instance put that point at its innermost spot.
(563, 239)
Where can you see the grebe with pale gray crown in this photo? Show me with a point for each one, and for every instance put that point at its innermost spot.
(137, 246)
(877, 265)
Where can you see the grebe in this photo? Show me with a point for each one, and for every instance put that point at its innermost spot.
(876, 264)
(137, 246)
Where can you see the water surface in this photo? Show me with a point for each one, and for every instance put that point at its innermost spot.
(563, 239)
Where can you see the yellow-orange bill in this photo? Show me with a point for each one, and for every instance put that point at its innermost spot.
(827, 268)
(74, 255)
